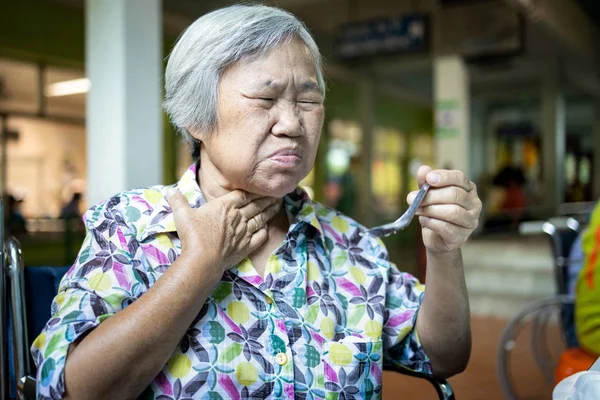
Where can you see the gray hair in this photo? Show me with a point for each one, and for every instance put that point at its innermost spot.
(214, 42)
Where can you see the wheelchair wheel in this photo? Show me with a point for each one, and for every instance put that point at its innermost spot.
(535, 332)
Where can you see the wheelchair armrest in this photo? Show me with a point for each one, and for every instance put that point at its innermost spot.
(26, 388)
(442, 387)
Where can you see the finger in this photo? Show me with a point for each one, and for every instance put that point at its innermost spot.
(252, 225)
(422, 173)
(258, 239)
(451, 213)
(446, 195)
(257, 206)
(239, 198)
(443, 177)
(266, 215)
(449, 232)
(177, 200)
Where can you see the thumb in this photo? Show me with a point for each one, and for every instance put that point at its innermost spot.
(177, 201)
(422, 174)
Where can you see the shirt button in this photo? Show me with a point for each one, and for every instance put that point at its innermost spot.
(269, 300)
(281, 358)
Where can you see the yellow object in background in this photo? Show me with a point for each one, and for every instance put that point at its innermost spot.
(587, 299)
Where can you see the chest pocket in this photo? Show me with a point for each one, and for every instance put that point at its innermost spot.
(353, 369)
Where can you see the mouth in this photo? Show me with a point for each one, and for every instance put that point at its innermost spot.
(287, 158)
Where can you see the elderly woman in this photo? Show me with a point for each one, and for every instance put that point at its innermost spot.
(232, 283)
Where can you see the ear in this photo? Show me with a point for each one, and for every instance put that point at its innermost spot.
(196, 144)
(198, 134)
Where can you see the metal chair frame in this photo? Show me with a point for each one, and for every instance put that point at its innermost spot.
(4, 376)
(540, 311)
(442, 387)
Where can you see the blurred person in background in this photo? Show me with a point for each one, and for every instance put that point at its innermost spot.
(232, 283)
(506, 201)
(14, 221)
(71, 214)
(513, 180)
(71, 209)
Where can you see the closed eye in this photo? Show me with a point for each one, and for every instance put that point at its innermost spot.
(265, 102)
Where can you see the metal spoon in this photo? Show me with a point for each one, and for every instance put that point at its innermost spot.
(404, 220)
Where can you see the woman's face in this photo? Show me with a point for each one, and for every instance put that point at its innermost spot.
(270, 113)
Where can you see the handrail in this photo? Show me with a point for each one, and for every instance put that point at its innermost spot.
(16, 274)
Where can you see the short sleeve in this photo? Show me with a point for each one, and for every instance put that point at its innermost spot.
(103, 280)
(402, 347)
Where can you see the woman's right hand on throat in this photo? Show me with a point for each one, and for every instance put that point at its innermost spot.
(224, 230)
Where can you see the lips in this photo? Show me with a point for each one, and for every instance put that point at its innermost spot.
(287, 152)
(287, 157)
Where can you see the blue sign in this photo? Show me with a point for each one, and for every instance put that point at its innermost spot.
(516, 130)
(406, 34)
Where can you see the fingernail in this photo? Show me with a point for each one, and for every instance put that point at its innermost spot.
(433, 178)
(411, 196)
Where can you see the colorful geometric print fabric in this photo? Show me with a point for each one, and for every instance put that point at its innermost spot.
(330, 311)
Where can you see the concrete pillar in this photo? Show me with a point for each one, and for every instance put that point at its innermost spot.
(365, 214)
(596, 133)
(553, 143)
(124, 119)
(451, 90)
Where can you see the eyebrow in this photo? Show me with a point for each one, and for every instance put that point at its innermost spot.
(307, 86)
(311, 87)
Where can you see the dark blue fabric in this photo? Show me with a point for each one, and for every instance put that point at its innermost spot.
(567, 315)
(41, 286)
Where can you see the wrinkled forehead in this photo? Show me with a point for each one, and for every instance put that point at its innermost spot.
(292, 43)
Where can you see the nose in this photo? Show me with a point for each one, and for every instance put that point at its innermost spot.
(287, 120)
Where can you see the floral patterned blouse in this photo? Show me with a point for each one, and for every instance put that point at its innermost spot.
(330, 311)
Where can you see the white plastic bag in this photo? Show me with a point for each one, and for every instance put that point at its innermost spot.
(583, 385)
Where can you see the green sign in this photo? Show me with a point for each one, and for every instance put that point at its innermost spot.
(446, 118)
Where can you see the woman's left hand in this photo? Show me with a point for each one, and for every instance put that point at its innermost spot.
(450, 211)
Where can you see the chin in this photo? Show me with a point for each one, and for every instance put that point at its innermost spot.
(277, 188)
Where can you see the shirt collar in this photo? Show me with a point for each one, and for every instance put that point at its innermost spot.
(161, 217)
(301, 211)
(299, 206)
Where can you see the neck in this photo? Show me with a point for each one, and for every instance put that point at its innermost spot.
(213, 184)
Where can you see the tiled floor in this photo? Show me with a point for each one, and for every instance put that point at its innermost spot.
(479, 381)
